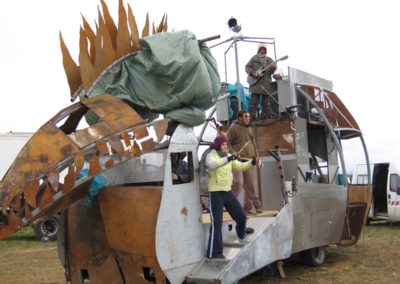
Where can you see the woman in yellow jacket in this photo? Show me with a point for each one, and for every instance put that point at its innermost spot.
(220, 165)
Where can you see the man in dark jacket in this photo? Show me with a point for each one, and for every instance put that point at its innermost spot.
(262, 81)
(242, 143)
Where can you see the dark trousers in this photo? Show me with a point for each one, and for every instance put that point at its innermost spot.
(217, 201)
(255, 100)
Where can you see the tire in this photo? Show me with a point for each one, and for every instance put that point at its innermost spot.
(46, 229)
(314, 256)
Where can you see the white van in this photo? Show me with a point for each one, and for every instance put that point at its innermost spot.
(386, 189)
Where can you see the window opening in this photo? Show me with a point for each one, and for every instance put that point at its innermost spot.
(182, 167)
(394, 183)
(362, 179)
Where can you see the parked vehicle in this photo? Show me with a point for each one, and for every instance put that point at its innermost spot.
(385, 182)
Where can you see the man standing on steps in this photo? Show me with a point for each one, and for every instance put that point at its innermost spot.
(242, 143)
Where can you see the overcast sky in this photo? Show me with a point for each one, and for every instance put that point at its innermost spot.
(352, 43)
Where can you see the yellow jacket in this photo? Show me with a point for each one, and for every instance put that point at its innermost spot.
(220, 171)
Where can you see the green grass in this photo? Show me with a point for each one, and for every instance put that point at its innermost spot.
(22, 239)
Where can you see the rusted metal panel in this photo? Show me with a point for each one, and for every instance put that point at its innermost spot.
(102, 148)
(116, 145)
(132, 268)
(87, 136)
(359, 193)
(336, 112)
(117, 114)
(79, 159)
(43, 151)
(148, 145)
(87, 246)
(359, 203)
(28, 211)
(107, 271)
(53, 178)
(30, 193)
(136, 149)
(268, 135)
(109, 163)
(94, 166)
(128, 154)
(140, 132)
(46, 198)
(69, 180)
(345, 119)
(127, 138)
(10, 225)
(64, 200)
(86, 236)
(160, 128)
(135, 232)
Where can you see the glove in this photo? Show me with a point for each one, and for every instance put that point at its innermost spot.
(231, 158)
(254, 161)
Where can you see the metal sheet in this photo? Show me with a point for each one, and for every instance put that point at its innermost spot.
(322, 229)
(130, 216)
(148, 168)
(180, 240)
(297, 76)
(270, 180)
(275, 133)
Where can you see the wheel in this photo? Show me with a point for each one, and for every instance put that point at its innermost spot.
(314, 256)
(46, 229)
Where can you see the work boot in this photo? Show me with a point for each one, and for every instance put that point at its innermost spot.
(248, 231)
(257, 205)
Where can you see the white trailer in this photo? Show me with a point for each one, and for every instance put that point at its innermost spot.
(386, 189)
(11, 144)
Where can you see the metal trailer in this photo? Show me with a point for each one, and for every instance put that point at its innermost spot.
(141, 227)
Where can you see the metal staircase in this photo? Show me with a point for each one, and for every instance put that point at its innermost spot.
(271, 241)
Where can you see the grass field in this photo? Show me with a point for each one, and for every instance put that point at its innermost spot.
(375, 259)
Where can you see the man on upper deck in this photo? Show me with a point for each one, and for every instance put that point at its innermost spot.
(262, 81)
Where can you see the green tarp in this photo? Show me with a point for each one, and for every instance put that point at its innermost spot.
(173, 75)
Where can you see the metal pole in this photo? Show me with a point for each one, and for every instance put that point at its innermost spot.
(226, 69)
(237, 74)
(366, 160)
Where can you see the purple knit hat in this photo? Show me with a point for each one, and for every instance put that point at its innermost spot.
(218, 141)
